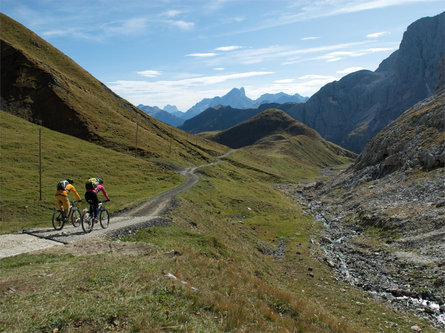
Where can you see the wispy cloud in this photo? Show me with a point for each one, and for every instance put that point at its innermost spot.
(310, 38)
(228, 48)
(183, 25)
(201, 55)
(149, 73)
(128, 86)
(181, 92)
(284, 81)
(339, 55)
(350, 70)
(377, 34)
(315, 77)
(218, 69)
(126, 27)
(172, 13)
(299, 11)
(306, 85)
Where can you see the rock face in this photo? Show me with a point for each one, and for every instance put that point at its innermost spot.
(351, 111)
(415, 140)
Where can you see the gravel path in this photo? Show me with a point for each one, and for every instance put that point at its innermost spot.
(145, 215)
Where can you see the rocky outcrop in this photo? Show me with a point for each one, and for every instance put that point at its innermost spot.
(415, 140)
(351, 111)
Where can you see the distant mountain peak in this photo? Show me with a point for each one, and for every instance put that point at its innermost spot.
(236, 92)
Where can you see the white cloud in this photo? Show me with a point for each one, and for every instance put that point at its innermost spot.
(183, 25)
(182, 93)
(126, 27)
(350, 70)
(149, 73)
(316, 77)
(218, 69)
(228, 48)
(172, 13)
(339, 55)
(284, 81)
(310, 84)
(334, 59)
(305, 10)
(377, 34)
(309, 38)
(201, 55)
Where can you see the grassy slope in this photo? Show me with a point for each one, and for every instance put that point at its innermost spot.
(128, 180)
(109, 119)
(218, 247)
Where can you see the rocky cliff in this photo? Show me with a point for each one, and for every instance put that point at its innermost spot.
(354, 109)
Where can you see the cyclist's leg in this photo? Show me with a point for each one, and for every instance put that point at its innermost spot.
(66, 206)
(59, 202)
(93, 211)
(96, 211)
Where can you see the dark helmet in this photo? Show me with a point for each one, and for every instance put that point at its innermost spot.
(89, 186)
(70, 180)
(100, 180)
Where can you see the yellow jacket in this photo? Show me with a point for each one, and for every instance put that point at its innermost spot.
(68, 188)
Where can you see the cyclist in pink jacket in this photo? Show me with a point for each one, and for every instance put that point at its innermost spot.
(100, 188)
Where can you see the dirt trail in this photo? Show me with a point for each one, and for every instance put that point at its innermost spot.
(145, 215)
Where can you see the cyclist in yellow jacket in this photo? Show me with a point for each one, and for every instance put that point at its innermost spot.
(63, 188)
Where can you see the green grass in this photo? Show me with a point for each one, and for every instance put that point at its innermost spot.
(223, 283)
(128, 180)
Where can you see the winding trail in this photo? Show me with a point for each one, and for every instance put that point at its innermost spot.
(144, 215)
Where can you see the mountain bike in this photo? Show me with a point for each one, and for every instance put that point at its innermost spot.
(58, 219)
(102, 215)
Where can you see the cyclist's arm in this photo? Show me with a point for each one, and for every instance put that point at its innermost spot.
(70, 187)
(102, 188)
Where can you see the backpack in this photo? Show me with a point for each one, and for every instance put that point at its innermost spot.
(94, 182)
(61, 186)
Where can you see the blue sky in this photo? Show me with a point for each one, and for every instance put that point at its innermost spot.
(160, 52)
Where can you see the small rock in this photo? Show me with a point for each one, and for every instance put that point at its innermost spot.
(427, 309)
(416, 328)
(170, 276)
(439, 282)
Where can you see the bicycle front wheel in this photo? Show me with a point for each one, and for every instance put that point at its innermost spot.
(58, 220)
(104, 218)
(87, 223)
(76, 218)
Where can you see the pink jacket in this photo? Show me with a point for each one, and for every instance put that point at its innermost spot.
(99, 188)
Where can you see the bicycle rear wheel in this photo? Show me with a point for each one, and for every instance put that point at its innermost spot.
(76, 218)
(104, 218)
(87, 223)
(58, 220)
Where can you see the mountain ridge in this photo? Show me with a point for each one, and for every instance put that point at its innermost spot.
(236, 98)
(43, 85)
(355, 108)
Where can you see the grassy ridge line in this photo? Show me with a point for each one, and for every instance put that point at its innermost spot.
(219, 250)
(128, 180)
(52, 87)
